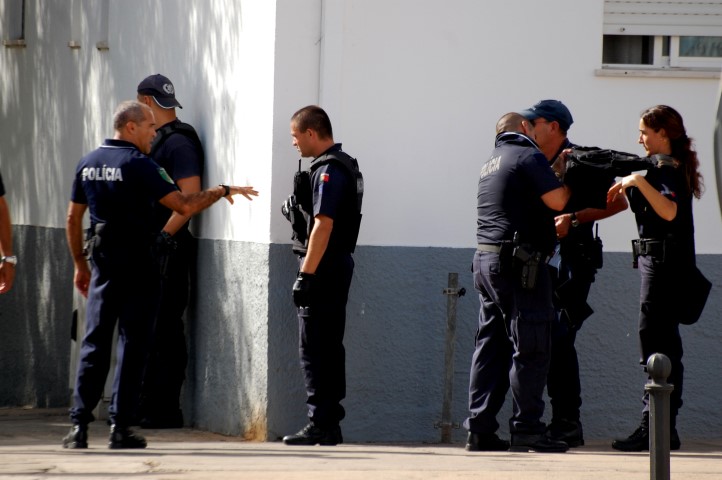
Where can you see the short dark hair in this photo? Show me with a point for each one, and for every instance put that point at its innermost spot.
(510, 122)
(129, 111)
(314, 118)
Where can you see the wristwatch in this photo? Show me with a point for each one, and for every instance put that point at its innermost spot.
(573, 218)
(226, 189)
(10, 259)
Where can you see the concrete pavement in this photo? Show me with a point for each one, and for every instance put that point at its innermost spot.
(30, 449)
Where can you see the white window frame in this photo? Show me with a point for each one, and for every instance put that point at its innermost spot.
(665, 18)
(675, 60)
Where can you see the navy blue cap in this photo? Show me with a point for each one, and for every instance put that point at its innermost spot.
(161, 89)
(552, 110)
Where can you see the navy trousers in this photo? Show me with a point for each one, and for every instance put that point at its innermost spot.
(123, 290)
(513, 345)
(321, 331)
(168, 359)
(563, 384)
(658, 327)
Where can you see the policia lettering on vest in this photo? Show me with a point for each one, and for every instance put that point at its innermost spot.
(325, 215)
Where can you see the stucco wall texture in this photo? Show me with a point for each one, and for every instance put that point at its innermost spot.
(244, 377)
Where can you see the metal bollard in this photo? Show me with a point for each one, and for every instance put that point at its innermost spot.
(659, 367)
(453, 293)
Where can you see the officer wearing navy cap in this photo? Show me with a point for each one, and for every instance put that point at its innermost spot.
(580, 254)
(161, 89)
(118, 184)
(178, 150)
(515, 233)
(331, 196)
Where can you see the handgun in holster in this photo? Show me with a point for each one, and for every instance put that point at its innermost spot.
(529, 263)
(635, 253)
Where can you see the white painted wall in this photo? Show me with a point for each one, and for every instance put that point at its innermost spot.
(57, 103)
(414, 90)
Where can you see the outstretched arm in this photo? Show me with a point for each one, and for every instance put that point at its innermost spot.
(190, 204)
(176, 220)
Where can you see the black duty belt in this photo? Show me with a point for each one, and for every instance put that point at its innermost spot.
(648, 246)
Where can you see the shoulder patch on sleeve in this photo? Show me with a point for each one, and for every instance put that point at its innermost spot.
(164, 175)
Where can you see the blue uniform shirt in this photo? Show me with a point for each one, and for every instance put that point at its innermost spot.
(120, 185)
(511, 184)
(181, 158)
(334, 195)
(671, 183)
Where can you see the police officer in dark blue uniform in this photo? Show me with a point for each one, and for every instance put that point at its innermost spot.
(331, 207)
(118, 183)
(178, 150)
(662, 205)
(515, 234)
(580, 257)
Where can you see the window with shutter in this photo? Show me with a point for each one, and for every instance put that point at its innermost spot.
(662, 34)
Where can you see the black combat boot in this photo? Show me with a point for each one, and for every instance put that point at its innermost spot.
(124, 437)
(638, 441)
(568, 431)
(312, 435)
(485, 442)
(77, 437)
(540, 443)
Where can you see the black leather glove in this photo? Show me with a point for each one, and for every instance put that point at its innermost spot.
(302, 288)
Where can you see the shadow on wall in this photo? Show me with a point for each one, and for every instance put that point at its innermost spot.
(228, 368)
(204, 72)
(36, 318)
(37, 171)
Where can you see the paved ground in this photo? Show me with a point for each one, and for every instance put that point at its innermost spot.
(30, 449)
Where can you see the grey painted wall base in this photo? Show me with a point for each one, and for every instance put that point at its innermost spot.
(244, 377)
(395, 350)
(36, 318)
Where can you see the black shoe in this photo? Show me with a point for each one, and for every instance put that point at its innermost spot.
(123, 437)
(77, 437)
(540, 443)
(164, 420)
(639, 441)
(485, 442)
(568, 431)
(312, 435)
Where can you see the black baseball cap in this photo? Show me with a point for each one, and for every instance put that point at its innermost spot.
(553, 110)
(161, 89)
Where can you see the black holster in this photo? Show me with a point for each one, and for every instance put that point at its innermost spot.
(661, 249)
(526, 263)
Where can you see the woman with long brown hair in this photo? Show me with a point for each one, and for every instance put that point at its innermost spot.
(662, 204)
